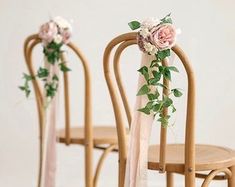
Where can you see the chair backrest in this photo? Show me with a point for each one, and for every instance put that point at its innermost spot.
(115, 87)
(29, 45)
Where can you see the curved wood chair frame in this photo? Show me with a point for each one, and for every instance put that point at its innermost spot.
(120, 43)
(90, 179)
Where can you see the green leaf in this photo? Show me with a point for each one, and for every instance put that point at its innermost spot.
(143, 90)
(157, 75)
(64, 68)
(163, 121)
(173, 108)
(28, 77)
(134, 25)
(22, 88)
(42, 72)
(177, 92)
(149, 105)
(161, 68)
(173, 68)
(152, 96)
(153, 81)
(145, 110)
(167, 102)
(166, 19)
(154, 63)
(55, 78)
(163, 54)
(51, 89)
(27, 92)
(144, 71)
(166, 73)
(157, 107)
(25, 89)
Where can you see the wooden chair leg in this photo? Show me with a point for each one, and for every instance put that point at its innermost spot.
(231, 181)
(169, 179)
(189, 178)
(121, 173)
(40, 162)
(88, 165)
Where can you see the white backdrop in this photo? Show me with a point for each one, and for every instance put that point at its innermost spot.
(208, 37)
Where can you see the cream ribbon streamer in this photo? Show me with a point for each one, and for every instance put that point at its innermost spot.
(49, 138)
(137, 159)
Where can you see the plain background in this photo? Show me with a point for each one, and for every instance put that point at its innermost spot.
(208, 37)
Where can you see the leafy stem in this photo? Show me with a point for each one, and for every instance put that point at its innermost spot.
(153, 76)
(53, 54)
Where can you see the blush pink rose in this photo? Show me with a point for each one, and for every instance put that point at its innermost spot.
(163, 36)
(47, 32)
(66, 35)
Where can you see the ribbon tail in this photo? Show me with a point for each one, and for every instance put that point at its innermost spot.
(137, 159)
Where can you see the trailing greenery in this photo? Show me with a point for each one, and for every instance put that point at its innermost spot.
(52, 53)
(153, 76)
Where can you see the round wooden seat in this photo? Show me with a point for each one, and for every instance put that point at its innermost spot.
(101, 135)
(208, 157)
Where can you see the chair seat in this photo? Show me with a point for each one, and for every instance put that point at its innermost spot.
(102, 135)
(208, 157)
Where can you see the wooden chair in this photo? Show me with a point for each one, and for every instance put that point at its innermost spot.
(100, 137)
(187, 159)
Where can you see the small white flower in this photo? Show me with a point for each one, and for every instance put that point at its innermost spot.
(62, 23)
(150, 48)
(150, 23)
(144, 32)
(58, 39)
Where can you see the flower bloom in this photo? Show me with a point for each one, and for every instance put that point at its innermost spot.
(47, 32)
(163, 36)
(149, 23)
(57, 30)
(66, 35)
(62, 23)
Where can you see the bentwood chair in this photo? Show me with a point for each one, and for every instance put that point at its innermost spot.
(188, 159)
(100, 137)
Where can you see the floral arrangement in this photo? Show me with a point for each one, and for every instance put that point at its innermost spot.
(54, 34)
(156, 37)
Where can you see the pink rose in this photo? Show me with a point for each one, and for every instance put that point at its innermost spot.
(163, 36)
(47, 32)
(66, 35)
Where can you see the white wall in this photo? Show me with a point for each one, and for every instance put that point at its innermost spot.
(208, 37)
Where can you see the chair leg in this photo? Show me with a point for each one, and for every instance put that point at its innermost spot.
(121, 173)
(88, 165)
(231, 181)
(190, 178)
(101, 161)
(40, 162)
(169, 179)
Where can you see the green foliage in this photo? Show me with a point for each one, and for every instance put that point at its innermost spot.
(63, 67)
(52, 53)
(143, 90)
(167, 19)
(153, 76)
(177, 92)
(134, 25)
(43, 72)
